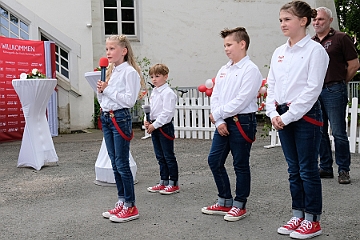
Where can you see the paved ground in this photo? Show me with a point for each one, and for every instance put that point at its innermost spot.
(62, 202)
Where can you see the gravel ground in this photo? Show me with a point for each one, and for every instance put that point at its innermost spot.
(62, 202)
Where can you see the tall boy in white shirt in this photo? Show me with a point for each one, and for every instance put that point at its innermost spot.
(233, 107)
(162, 110)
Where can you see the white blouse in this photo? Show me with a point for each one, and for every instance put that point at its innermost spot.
(296, 76)
(122, 90)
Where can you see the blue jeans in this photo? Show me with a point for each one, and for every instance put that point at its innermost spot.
(300, 143)
(240, 150)
(164, 152)
(333, 101)
(118, 150)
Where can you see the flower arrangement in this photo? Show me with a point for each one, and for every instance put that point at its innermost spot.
(97, 69)
(34, 74)
(262, 95)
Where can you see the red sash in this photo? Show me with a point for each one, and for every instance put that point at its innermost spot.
(118, 128)
(241, 130)
(165, 135)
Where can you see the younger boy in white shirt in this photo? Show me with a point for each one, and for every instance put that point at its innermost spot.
(162, 111)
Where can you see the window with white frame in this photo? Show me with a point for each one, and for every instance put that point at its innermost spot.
(120, 17)
(61, 59)
(11, 26)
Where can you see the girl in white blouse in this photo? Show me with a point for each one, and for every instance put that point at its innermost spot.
(116, 96)
(295, 81)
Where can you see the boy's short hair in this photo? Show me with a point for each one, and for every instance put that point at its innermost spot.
(159, 68)
(239, 34)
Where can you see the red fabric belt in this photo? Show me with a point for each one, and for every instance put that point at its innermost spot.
(241, 130)
(306, 118)
(313, 121)
(165, 135)
(119, 129)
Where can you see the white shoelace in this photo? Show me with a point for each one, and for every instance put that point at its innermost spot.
(234, 211)
(157, 186)
(118, 203)
(294, 221)
(168, 187)
(305, 225)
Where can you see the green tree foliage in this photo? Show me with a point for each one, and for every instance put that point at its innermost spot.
(348, 12)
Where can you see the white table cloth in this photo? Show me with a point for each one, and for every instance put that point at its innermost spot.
(37, 147)
(103, 169)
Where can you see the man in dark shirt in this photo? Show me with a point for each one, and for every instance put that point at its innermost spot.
(342, 68)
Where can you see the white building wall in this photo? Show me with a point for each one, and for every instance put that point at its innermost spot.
(182, 34)
(65, 22)
(185, 34)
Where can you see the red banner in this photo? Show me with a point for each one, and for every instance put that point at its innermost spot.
(16, 57)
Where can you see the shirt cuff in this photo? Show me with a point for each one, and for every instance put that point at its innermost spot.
(274, 114)
(216, 115)
(156, 125)
(219, 122)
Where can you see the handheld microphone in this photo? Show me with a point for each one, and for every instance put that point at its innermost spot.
(103, 63)
(146, 109)
(152, 85)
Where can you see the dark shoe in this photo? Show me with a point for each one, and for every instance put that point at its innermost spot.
(325, 174)
(344, 177)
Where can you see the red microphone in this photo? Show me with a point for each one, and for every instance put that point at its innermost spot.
(103, 63)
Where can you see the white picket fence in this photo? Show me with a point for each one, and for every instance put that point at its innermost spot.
(352, 118)
(191, 119)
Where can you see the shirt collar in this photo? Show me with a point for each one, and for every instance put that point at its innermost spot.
(300, 43)
(120, 67)
(162, 87)
(330, 33)
(239, 64)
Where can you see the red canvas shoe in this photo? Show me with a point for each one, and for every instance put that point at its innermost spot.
(215, 209)
(235, 214)
(118, 207)
(306, 230)
(290, 226)
(127, 214)
(170, 190)
(156, 188)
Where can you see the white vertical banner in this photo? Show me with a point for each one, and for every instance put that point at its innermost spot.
(52, 104)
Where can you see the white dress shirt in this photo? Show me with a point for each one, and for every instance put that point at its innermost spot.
(162, 105)
(236, 89)
(296, 76)
(122, 90)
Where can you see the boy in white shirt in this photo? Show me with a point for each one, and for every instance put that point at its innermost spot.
(233, 107)
(162, 111)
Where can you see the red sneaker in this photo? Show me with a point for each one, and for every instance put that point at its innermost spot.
(306, 230)
(116, 210)
(170, 190)
(215, 209)
(290, 226)
(235, 214)
(127, 214)
(156, 188)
